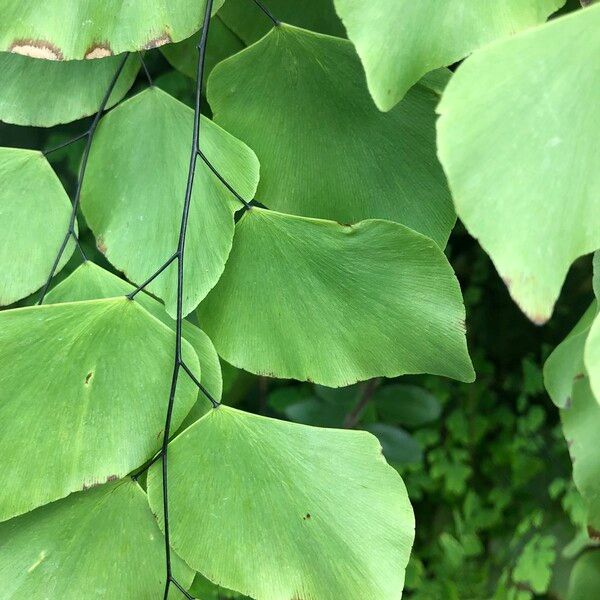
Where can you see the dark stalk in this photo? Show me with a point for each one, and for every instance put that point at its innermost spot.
(84, 159)
(146, 71)
(354, 415)
(267, 12)
(152, 277)
(180, 255)
(67, 143)
(218, 175)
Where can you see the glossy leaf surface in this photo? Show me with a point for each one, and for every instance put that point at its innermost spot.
(83, 387)
(44, 93)
(521, 154)
(299, 100)
(134, 190)
(102, 543)
(325, 514)
(314, 300)
(34, 219)
(399, 41)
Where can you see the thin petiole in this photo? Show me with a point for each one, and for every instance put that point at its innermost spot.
(146, 71)
(267, 12)
(181, 589)
(67, 143)
(246, 204)
(208, 395)
(84, 160)
(152, 277)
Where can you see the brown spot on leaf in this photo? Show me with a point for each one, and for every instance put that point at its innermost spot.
(36, 49)
(98, 51)
(306, 517)
(88, 377)
(161, 40)
(593, 533)
(579, 376)
(101, 245)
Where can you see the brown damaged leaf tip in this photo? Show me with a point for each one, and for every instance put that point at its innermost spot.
(593, 533)
(89, 486)
(158, 41)
(36, 49)
(98, 51)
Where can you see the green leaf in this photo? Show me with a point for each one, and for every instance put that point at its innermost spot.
(581, 424)
(313, 300)
(591, 356)
(34, 219)
(534, 565)
(100, 543)
(44, 93)
(222, 43)
(584, 581)
(89, 282)
(134, 189)
(399, 447)
(250, 24)
(83, 391)
(407, 405)
(299, 100)
(314, 411)
(322, 512)
(77, 29)
(399, 41)
(565, 364)
(206, 590)
(516, 144)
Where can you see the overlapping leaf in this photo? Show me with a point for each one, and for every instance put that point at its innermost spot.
(222, 43)
(581, 424)
(314, 300)
(570, 374)
(82, 396)
(89, 282)
(34, 218)
(520, 152)
(44, 93)
(250, 24)
(321, 511)
(78, 29)
(299, 100)
(134, 190)
(565, 364)
(399, 41)
(99, 543)
(584, 581)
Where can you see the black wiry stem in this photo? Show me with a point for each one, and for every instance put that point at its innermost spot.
(246, 204)
(152, 277)
(267, 12)
(180, 254)
(67, 143)
(146, 72)
(84, 159)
